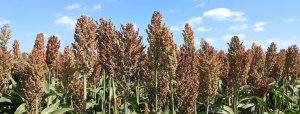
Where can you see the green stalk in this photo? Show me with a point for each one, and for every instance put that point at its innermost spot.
(275, 96)
(71, 101)
(103, 100)
(207, 108)
(65, 98)
(156, 89)
(109, 95)
(172, 92)
(36, 104)
(84, 93)
(195, 110)
(114, 94)
(48, 99)
(138, 91)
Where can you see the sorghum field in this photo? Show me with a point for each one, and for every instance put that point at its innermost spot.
(107, 71)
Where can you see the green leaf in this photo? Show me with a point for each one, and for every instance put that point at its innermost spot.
(45, 87)
(47, 95)
(263, 104)
(89, 104)
(61, 111)
(20, 109)
(51, 108)
(4, 99)
(223, 109)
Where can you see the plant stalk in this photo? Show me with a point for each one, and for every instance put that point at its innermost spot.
(84, 93)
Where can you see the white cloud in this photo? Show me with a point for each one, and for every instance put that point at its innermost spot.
(241, 27)
(58, 15)
(75, 6)
(240, 19)
(29, 34)
(258, 24)
(204, 29)
(96, 7)
(289, 20)
(222, 14)
(175, 28)
(195, 20)
(172, 11)
(259, 29)
(279, 42)
(210, 40)
(48, 35)
(134, 25)
(228, 36)
(66, 21)
(3, 21)
(200, 5)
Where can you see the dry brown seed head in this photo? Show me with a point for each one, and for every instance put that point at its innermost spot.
(85, 45)
(5, 34)
(5, 69)
(16, 50)
(52, 53)
(208, 67)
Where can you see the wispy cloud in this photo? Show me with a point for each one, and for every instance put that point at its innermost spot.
(223, 14)
(258, 29)
(259, 25)
(3, 21)
(241, 27)
(200, 5)
(175, 28)
(48, 35)
(29, 34)
(194, 21)
(204, 29)
(75, 6)
(66, 21)
(228, 36)
(96, 7)
(289, 20)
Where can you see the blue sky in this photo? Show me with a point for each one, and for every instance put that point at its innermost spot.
(260, 21)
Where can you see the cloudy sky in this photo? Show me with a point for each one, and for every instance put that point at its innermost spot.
(216, 21)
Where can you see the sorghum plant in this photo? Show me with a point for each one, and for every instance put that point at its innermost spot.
(270, 57)
(106, 36)
(161, 53)
(52, 53)
(209, 71)
(67, 70)
(5, 34)
(16, 50)
(258, 76)
(128, 51)
(290, 67)
(185, 91)
(239, 62)
(52, 59)
(279, 65)
(84, 47)
(5, 69)
(227, 82)
(32, 77)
